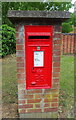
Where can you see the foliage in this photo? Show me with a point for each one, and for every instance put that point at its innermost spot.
(50, 6)
(72, 20)
(66, 27)
(8, 40)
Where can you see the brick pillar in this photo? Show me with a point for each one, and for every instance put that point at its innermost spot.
(35, 103)
(38, 103)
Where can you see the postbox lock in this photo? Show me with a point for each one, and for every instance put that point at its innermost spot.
(33, 70)
(38, 48)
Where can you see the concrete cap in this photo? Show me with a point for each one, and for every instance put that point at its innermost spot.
(15, 15)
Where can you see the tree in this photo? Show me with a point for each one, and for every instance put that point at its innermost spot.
(73, 19)
(69, 24)
(66, 27)
(9, 33)
(50, 6)
(8, 40)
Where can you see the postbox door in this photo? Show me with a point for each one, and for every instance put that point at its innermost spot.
(39, 67)
(38, 64)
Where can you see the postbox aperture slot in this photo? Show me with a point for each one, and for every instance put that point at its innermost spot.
(38, 37)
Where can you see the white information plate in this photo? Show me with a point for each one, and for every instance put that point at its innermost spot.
(38, 58)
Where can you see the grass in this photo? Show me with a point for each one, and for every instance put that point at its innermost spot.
(9, 79)
(67, 86)
(67, 74)
(66, 101)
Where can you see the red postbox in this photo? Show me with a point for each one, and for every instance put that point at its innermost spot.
(38, 47)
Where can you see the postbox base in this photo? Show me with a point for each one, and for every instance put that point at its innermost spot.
(40, 115)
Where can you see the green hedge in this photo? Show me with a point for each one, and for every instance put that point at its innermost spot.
(66, 27)
(8, 40)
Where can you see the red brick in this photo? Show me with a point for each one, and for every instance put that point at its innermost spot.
(20, 53)
(57, 28)
(26, 106)
(56, 53)
(56, 85)
(34, 110)
(54, 90)
(21, 101)
(50, 109)
(47, 105)
(37, 105)
(20, 70)
(58, 41)
(56, 58)
(34, 101)
(56, 64)
(56, 47)
(21, 81)
(56, 80)
(56, 95)
(20, 65)
(22, 111)
(28, 96)
(34, 91)
(20, 59)
(54, 104)
(21, 91)
(51, 90)
(19, 41)
(21, 96)
(21, 76)
(17, 34)
(56, 69)
(47, 100)
(38, 96)
(57, 35)
(55, 100)
(19, 47)
(56, 74)
(21, 87)
(47, 90)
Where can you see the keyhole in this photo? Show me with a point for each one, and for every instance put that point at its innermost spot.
(33, 68)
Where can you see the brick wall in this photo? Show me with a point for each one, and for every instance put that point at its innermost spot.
(37, 100)
(68, 43)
